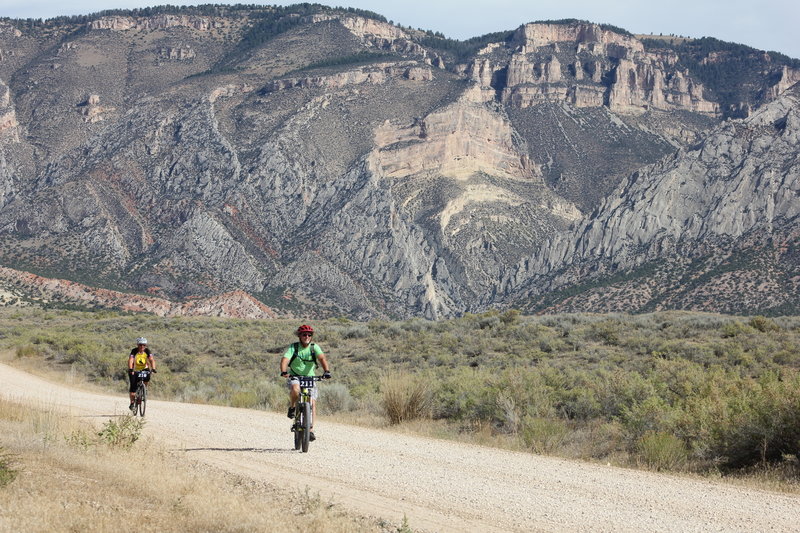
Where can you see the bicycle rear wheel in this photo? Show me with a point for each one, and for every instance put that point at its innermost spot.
(142, 397)
(306, 425)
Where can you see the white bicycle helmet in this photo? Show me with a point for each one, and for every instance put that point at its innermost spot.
(141, 340)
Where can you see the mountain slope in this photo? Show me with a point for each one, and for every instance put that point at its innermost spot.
(713, 227)
(325, 161)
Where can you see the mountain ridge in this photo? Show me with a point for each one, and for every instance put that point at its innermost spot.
(343, 155)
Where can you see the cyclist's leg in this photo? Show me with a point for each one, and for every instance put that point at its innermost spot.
(132, 387)
(314, 395)
(313, 414)
(294, 395)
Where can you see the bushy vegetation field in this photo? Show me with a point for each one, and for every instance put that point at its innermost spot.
(669, 391)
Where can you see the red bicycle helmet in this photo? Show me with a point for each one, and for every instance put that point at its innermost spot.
(305, 329)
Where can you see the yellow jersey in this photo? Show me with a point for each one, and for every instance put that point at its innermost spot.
(139, 360)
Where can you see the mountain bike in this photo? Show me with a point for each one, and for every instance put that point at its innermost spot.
(140, 396)
(303, 413)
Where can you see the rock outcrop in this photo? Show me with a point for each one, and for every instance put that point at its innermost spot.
(91, 110)
(374, 74)
(587, 66)
(8, 119)
(9, 138)
(156, 22)
(457, 141)
(787, 78)
(376, 34)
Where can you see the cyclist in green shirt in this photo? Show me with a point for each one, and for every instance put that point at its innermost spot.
(301, 359)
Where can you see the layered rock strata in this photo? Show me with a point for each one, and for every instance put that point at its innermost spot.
(587, 66)
(374, 74)
(156, 22)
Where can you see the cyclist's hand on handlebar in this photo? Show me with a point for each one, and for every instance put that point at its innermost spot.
(326, 375)
(153, 370)
(284, 374)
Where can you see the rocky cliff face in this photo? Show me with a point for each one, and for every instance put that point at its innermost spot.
(157, 22)
(587, 66)
(554, 77)
(343, 167)
(726, 209)
(9, 134)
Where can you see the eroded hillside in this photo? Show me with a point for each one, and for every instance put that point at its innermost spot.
(328, 161)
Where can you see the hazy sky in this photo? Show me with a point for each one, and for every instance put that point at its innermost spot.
(762, 24)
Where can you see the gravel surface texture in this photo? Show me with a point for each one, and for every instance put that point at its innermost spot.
(438, 485)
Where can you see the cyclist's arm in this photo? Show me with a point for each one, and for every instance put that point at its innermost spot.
(130, 362)
(151, 361)
(287, 356)
(323, 362)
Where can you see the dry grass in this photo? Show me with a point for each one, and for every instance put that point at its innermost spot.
(69, 480)
(405, 397)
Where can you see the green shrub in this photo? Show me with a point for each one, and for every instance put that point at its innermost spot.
(30, 350)
(521, 395)
(760, 423)
(7, 471)
(460, 395)
(618, 390)
(181, 362)
(543, 435)
(651, 415)
(122, 432)
(104, 366)
(272, 395)
(510, 317)
(488, 321)
(359, 331)
(732, 329)
(335, 398)
(80, 439)
(763, 324)
(244, 398)
(578, 402)
(658, 450)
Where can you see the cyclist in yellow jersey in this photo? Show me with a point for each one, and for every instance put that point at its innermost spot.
(139, 359)
(300, 359)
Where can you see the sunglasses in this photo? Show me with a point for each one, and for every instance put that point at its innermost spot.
(305, 335)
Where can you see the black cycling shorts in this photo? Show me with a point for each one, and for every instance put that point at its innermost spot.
(134, 378)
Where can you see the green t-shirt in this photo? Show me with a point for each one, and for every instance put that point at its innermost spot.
(303, 364)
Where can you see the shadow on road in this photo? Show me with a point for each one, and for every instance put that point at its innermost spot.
(257, 450)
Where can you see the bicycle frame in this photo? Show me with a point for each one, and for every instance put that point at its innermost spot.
(140, 398)
(303, 417)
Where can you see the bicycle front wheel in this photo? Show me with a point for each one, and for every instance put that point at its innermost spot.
(306, 425)
(142, 400)
(297, 429)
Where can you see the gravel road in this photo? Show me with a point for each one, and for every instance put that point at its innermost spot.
(438, 485)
